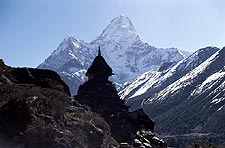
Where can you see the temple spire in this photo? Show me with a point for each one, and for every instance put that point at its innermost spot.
(99, 51)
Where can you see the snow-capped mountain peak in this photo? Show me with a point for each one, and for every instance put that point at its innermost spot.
(121, 22)
(69, 40)
(69, 49)
(119, 30)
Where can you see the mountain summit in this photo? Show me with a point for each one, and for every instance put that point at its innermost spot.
(120, 29)
(121, 46)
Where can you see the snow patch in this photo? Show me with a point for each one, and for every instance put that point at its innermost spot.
(220, 108)
(213, 78)
(216, 101)
(76, 44)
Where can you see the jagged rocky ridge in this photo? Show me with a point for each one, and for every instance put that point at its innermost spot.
(119, 42)
(190, 107)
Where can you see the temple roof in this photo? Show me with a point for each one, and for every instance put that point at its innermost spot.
(99, 67)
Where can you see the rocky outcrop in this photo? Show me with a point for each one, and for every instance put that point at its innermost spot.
(38, 77)
(36, 114)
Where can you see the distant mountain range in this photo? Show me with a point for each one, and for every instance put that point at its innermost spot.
(124, 50)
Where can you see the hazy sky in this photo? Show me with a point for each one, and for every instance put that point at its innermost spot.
(31, 29)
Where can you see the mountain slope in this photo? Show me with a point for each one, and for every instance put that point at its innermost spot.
(128, 55)
(193, 103)
(150, 83)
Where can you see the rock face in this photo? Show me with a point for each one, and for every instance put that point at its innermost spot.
(134, 128)
(122, 47)
(35, 112)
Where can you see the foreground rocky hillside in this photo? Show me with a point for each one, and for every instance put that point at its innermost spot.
(35, 111)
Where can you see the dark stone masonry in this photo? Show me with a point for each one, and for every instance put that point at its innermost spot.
(134, 128)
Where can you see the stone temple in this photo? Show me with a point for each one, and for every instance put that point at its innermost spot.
(101, 96)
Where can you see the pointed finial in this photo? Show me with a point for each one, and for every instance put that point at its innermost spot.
(99, 51)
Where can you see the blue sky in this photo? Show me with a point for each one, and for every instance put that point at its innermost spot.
(31, 29)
